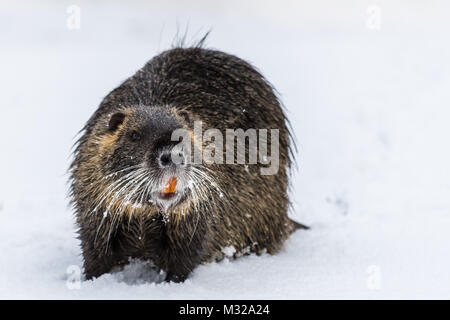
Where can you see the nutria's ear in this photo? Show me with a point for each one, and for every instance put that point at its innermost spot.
(115, 121)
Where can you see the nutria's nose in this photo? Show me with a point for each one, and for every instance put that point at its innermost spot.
(165, 159)
(172, 158)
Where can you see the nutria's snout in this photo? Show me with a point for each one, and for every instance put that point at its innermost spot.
(166, 160)
(172, 176)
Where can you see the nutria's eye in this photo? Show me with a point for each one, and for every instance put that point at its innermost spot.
(185, 115)
(135, 136)
(115, 121)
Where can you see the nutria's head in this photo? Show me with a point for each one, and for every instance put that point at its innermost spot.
(131, 161)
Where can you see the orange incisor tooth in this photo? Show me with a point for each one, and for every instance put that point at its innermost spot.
(170, 185)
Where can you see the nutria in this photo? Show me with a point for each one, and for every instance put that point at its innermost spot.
(131, 200)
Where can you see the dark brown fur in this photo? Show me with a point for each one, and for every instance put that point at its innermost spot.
(179, 86)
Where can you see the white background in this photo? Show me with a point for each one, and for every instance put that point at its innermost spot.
(368, 99)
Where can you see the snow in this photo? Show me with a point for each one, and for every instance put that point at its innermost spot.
(229, 251)
(369, 108)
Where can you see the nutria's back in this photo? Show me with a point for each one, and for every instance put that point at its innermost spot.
(133, 200)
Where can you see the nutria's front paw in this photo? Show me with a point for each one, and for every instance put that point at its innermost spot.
(177, 278)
